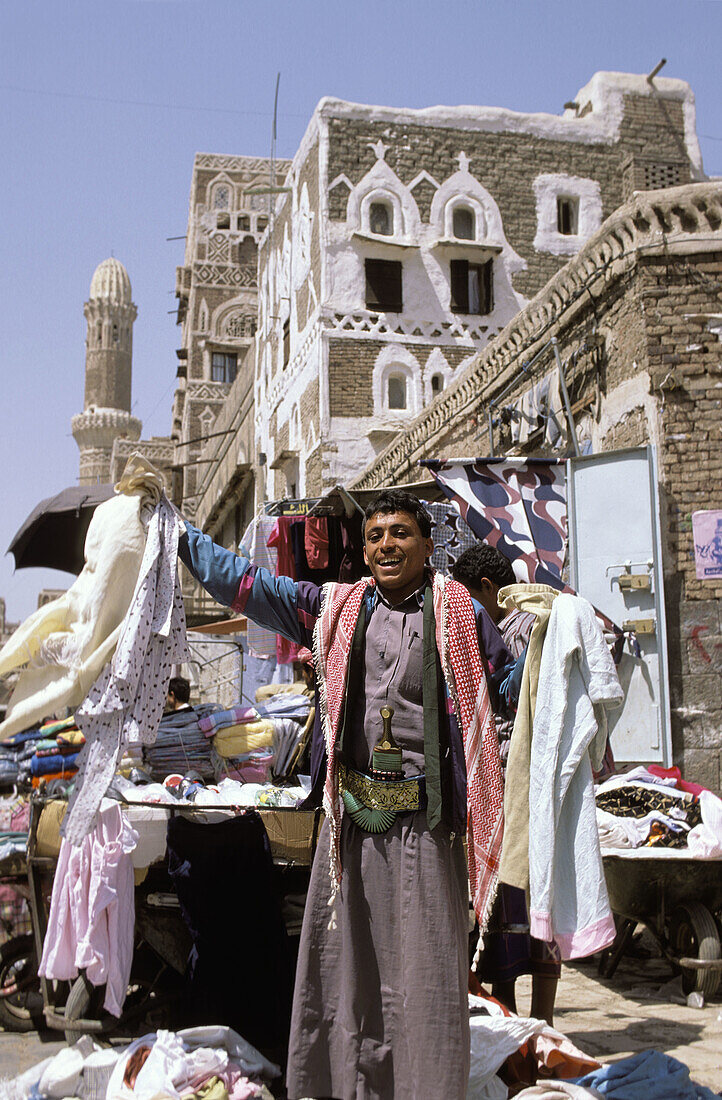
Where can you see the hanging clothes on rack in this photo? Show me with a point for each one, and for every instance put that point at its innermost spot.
(578, 685)
(537, 599)
(280, 540)
(254, 545)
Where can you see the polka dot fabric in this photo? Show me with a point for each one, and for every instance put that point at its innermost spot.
(125, 703)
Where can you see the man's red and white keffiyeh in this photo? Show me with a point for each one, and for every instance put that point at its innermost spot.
(458, 646)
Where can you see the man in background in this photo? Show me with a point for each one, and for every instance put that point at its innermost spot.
(179, 693)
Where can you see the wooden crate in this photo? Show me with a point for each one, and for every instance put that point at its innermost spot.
(293, 833)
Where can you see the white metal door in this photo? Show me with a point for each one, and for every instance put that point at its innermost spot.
(615, 562)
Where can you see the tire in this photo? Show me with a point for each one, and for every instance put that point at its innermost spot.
(84, 1002)
(694, 934)
(23, 1010)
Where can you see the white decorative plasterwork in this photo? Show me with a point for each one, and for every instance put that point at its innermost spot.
(435, 364)
(408, 329)
(220, 194)
(396, 360)
(381, 184)
(463, 189)
(551, 186)
(302, 231)
(225, 314)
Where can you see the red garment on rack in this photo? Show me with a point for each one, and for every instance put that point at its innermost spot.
(280, 539)
(316, 541)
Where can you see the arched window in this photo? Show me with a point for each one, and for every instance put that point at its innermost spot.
(463, 223)
(437, 384)
(396, 391)
(99, 333)
(222, 197)
(381, 219)
(115, 334)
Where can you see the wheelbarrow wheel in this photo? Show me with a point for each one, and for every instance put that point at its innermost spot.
(21, 1002)
(84, 1003)
(694, 934)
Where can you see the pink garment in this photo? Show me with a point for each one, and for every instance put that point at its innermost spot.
(675, 773)
(92, 911)
(315, 541)
(239, 1086)
(280, 540)
(558, 1055)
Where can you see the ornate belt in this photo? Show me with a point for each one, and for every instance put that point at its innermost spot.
(373, 804)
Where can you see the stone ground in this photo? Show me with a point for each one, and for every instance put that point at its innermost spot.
(608, 1018)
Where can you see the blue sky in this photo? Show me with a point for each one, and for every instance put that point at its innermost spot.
(105, 104)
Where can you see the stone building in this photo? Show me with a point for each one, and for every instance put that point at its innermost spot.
(106, 416)
(637, 319)
(408, 239)
(217, 295)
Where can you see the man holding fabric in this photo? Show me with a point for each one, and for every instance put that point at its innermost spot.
(404, 751)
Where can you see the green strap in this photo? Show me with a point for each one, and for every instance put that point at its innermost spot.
(430, 698)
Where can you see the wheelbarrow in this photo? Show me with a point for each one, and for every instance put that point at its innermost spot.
(678, 898)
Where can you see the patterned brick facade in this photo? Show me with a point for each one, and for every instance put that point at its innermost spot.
(319, 321)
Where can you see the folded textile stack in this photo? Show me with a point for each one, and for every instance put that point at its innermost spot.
(223, 719)
(249, 739)
(654, 807)
(15, 755)
(215, 1063)
(250, 767)
(48, 752)
(180, 744)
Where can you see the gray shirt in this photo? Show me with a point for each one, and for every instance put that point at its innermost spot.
(393, 677)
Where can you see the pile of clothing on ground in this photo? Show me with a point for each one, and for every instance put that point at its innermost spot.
(654, 807)
(45, 752)
(199, 1063)
(523, 1057)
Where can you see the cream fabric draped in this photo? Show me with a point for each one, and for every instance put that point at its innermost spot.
(65, 645)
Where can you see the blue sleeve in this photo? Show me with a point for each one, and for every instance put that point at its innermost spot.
(510, 685)
(246, 588)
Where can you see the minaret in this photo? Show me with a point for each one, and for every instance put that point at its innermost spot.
(110, 314)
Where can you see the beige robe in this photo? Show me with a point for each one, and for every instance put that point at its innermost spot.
(536, 599)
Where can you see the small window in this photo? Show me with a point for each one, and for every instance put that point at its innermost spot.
(115, 334)
(567, 216)
(223, 221)
(463, 223)
(381, 219)
(286, 342)
(99, 333)
(223, 366)
(396, 391)
(222, 198)
(383, 285)
(244, 223)
(261, 224)
(472, 287)
(437, 384)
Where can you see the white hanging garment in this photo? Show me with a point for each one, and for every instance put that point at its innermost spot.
(126, 702)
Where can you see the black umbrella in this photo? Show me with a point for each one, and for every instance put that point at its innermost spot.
(54, 533)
